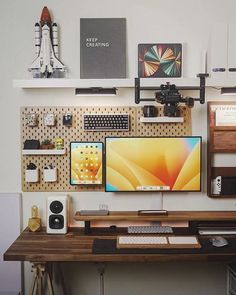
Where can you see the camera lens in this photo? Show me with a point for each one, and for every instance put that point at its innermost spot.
(56, 207)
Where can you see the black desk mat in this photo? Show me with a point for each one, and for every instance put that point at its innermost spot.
(108, 246)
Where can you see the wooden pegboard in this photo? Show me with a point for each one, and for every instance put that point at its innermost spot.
(76, 133)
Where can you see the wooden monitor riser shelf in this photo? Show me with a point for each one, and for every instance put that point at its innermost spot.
(171, 216)
(190, 216)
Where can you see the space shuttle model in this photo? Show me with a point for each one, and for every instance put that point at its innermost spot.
(46, 63)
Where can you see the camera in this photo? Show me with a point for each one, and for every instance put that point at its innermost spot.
(170, 97)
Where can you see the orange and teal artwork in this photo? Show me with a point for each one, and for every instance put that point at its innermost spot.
(160, 60)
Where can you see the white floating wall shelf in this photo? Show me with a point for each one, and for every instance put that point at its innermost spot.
(162, 120)
(44, 152)
(88, 83)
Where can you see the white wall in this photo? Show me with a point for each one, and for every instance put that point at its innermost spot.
(147, 21)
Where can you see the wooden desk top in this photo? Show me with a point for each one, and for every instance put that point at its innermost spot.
(77, 246)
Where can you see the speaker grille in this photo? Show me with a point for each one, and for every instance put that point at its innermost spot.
(56, 221)
(56, 207)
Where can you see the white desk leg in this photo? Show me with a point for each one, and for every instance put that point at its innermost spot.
(34, 280)
(39, 286)
(49, 284)
(231, 279)
(62, 280)
(101, 271)
(40, 274)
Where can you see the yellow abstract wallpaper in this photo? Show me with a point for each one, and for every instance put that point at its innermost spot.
(158, 164)
(86, 163)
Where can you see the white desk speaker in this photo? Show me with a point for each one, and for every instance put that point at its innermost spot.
(57, 214)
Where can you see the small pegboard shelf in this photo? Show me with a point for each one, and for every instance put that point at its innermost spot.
(60, 159)
(44, 152)
(161, 119)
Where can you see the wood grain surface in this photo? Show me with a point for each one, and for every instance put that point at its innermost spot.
(171, 216)
(77, 246)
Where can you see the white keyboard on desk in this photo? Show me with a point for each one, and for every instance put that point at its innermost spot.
(147, 240)
(149, 229)
(157, 242)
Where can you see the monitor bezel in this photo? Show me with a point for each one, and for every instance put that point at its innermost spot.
(103, 164)
(153, 191)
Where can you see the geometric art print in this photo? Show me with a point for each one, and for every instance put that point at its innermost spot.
(160, 60)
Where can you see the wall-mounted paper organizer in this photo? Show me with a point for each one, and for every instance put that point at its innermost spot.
(50, 175)
(32, 175)
(61, 159)
(221, 141)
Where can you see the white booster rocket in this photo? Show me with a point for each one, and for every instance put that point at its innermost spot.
(47, 62)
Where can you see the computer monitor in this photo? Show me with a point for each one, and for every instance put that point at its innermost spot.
(153, 164)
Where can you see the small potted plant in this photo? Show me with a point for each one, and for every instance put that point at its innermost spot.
(47, 144)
